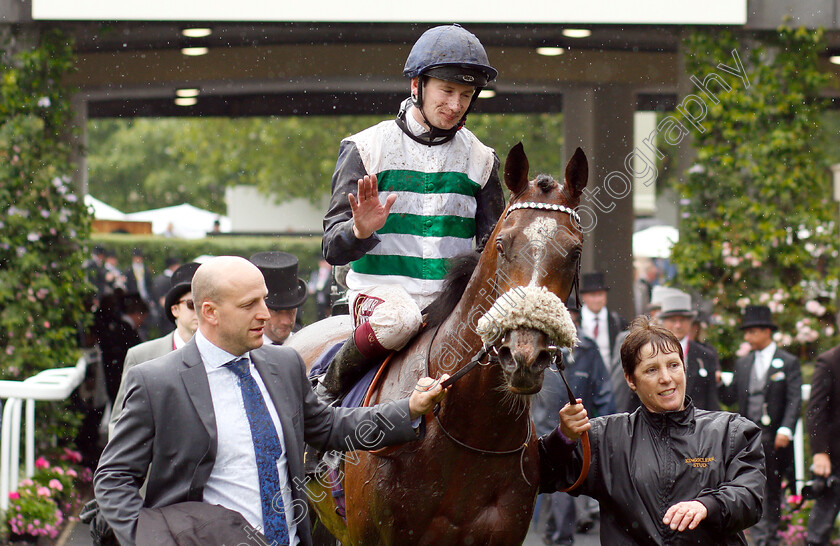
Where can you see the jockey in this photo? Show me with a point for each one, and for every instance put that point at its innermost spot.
(407, 195)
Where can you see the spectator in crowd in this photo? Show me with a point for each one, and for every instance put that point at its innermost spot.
(668, 473)
(236, 415)
(117, 324)
(180, 310)
(701, 361)
(161, 284)
(767, 387)
(320, 285)
(95, 267)
(397, 259)
(824, 431)
(138, 279)
(114, 278)
(588, 378)
(286, 292)
(597, 321)
(647, 279)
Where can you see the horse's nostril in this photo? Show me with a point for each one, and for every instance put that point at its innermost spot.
(542, 361)
(506, 358)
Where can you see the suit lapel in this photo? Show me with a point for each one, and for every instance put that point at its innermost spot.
(198, 388)
(273, 383)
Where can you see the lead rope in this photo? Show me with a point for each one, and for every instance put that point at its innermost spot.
(584, 438)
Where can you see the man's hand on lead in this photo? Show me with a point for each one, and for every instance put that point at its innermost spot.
(369, 214)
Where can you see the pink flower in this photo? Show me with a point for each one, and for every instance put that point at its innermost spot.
(43, 491)
(73, 456)
(41, 462)
(14, 495)
(72, 473)
(744, 349)
(794, 499)
(55, 484)
(26, 482)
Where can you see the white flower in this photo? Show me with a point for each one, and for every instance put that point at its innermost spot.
(742, 302)
(744, 349)
(32, 237)
(71, 197)
(829, 331)
(812, 306)
(44, 102)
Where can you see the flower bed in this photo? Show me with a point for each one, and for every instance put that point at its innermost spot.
(44, 503)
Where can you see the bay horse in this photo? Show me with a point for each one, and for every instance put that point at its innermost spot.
(473, 477)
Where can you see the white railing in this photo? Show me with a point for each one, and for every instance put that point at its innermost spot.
(48, 385)
(798, 436)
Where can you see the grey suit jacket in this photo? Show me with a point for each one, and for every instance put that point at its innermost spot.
(168, 422)
(138, 354)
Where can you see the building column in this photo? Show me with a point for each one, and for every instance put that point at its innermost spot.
(78, 142)
(599, 120)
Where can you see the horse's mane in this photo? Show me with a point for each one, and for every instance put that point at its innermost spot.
(461, 268)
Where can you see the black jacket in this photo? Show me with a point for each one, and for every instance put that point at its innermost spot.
(643, 463)
(782, 389)
(824, 406)
(701, 385)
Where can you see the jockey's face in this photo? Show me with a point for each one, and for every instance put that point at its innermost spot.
(444, 103)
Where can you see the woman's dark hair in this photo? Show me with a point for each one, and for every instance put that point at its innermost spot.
(644, 330)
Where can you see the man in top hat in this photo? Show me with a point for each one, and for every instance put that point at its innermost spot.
(767, 385)
(286, 292)
(597, 321)
(701, 361)
(180, 310)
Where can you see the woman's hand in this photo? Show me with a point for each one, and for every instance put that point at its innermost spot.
(685, 515)
(573, 420)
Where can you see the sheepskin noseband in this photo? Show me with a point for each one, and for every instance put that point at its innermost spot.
(528, 307)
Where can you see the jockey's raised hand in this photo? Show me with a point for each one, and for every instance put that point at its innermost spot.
(369, 214)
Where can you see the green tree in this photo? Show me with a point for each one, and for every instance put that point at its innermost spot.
(150, 163)
(42, 280)
(758, 218)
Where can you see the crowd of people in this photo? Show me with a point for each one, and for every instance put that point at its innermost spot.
(208, 421)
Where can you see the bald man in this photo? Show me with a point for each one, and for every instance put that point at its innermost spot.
(224, 419)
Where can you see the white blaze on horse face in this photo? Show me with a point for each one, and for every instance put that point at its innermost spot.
(538, 233)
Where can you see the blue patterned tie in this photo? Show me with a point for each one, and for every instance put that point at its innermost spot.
(268, 449)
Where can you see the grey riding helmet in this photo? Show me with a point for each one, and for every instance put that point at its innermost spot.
(450, 53)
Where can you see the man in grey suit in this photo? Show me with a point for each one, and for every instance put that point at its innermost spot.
(180, 310)
(185, 415)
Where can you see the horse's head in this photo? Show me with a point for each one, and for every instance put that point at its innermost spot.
(535, 249)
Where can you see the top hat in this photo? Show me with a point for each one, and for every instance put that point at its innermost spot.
(757, 316)
(280, 269)
(181, 283)
(676, 303)
(593, 282)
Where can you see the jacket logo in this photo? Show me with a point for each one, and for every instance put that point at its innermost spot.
(700, 462)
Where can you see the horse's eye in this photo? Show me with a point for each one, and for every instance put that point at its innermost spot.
(500, 248)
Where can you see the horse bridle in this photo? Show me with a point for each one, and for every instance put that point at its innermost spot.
(556, 360)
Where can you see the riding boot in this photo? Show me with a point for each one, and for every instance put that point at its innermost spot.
(347, 367)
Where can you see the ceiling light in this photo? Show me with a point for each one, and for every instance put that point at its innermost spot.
(196, 32)
(194, 51)
(550, 51)
(186, 93)
(834, 59)
(487, 94)
(577, 32)
(186, 101)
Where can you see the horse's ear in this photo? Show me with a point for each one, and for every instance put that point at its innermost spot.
(516, 169)
(577, 174)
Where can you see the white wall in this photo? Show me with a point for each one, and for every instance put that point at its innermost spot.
(251, 211)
